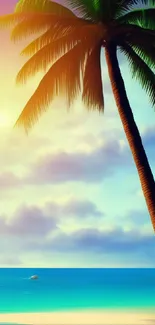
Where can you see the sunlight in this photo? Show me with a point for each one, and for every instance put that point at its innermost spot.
(4, 120)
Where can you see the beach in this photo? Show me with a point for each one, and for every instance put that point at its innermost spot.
(77, 297)
(109, 317)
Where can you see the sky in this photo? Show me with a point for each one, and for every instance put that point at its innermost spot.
(70, 193)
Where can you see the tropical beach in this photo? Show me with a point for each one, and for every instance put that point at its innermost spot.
(110, 317)
(77, 189)
(77, 296)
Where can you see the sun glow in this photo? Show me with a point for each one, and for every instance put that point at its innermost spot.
(4, 120)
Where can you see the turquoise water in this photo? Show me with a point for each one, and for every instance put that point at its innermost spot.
(68, 289)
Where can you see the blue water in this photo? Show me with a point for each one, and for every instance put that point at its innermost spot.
(68, 289)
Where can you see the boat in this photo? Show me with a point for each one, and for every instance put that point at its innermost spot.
(34, 277)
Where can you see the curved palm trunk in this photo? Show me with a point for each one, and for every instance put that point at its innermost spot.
(131, 130)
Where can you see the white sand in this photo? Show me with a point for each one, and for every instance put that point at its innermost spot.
(110, 317)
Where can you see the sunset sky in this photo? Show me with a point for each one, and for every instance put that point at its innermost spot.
(69, 191)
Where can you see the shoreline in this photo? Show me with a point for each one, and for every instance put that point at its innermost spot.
(82, 317)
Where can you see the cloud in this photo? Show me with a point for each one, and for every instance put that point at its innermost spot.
(116, 242)
(9, 180)
(81, 209)
(81, 166)
(31, 220)
(10, 260)
(73, 208)
(61, 167)
(28, 221)
(138, 217)
(41, 221)
(33, 230)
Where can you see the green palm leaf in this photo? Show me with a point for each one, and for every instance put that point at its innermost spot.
(124, 6)
(147, 54)
(144, 18)
(144, 46)
(98, 10)
(86, 8)
(141, 71)
(129, 4)
(135, 34)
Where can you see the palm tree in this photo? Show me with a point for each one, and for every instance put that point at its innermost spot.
(69, 49)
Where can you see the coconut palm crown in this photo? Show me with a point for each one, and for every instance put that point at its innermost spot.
(68, 50)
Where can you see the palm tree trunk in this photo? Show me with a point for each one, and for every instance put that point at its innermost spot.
(131, 130)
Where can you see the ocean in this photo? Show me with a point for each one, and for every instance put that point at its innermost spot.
(75, 289)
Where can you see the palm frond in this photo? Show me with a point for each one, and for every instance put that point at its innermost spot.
(92, 82)
(43, 6)
(146, 53)
(141, 71)
(51, 52)
(148, 3)
(25, 9)
(34, 23)
(39, 42)
(60, 29)
(37, 22)
(50, 35)
(86, 8)
(134, 33)
(96, 10)
(125, 6)
(144, 47)
(144, 18)
(12, 19)
(48, 54)
(109, 9)
(56, 48)
(63, 78)
(128, 4)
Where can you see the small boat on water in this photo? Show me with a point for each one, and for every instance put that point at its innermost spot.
(34, 277)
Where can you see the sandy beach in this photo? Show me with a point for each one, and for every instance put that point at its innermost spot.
(109, 317)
